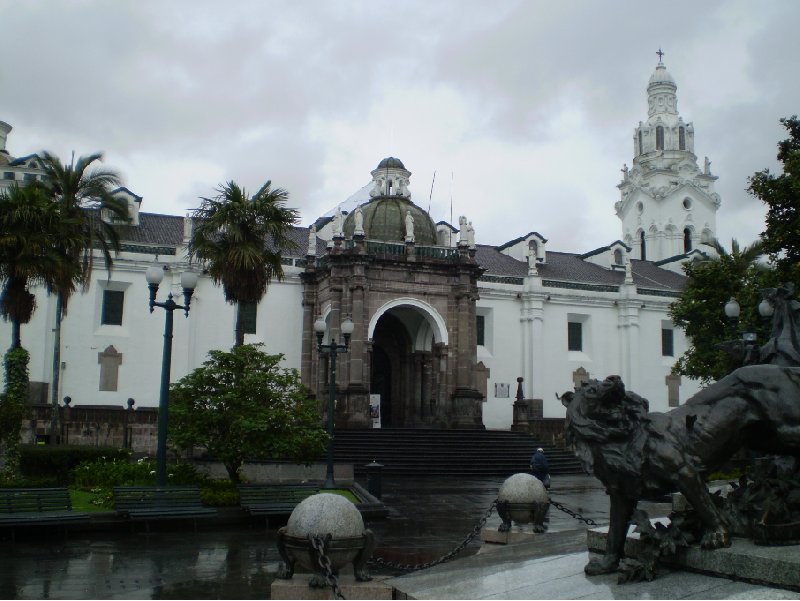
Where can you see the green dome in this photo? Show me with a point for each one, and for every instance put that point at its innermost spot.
(385, 220)
(391, 163)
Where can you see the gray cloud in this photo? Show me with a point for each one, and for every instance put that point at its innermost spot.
(530, 104)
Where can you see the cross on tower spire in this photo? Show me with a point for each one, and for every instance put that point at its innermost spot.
(660, 54)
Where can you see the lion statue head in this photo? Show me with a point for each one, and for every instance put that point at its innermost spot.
(599, 412)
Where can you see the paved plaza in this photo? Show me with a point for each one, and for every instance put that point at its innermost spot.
(427, 518)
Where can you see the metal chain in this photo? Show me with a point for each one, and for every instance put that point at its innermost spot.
(318, 543)
(574, 514)
(407, 567)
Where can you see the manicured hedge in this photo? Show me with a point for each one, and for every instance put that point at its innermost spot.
(55, 462)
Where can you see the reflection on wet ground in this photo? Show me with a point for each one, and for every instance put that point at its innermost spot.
(427, 518)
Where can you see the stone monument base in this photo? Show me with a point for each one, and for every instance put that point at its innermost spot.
(297, 588)
(493, 539)
(743, 560)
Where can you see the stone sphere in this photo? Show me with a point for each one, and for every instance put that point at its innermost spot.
(524, 489)
(325, 513)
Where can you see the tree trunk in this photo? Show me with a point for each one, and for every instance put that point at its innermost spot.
(233, 470)
(239, 331)
(16, 338)
(55, 380)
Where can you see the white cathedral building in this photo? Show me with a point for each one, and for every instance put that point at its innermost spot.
(443, 325)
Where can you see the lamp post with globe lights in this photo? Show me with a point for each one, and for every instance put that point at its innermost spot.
(746, 348)
(332, 349)
(154, 275)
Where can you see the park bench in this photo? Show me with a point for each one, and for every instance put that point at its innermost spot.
(37, 507)
(148, 503)
(273, 499)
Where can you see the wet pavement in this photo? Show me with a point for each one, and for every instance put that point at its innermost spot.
(427, 518)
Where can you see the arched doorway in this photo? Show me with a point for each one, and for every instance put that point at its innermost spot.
(389, 369)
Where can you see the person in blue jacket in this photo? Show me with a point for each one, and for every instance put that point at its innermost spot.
(539, 467)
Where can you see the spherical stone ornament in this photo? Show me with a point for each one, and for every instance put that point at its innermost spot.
(339, 527)
(523, 499)
(325, 513)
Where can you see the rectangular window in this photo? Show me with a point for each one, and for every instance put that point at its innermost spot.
(574, 336)
(480, 328)
(112, 307)
(29, 177)
(249, 311)
(667, 343)
(8, 175)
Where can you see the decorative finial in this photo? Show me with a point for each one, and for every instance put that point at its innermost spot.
(660, 55)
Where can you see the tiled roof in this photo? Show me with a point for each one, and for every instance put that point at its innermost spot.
(568, 267)
(167, 230)
(162, 230)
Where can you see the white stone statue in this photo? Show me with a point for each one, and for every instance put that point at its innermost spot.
(337, 224)
(359, 219)
(409, 227)
(470, 235)
(628, 271)
(187, 227)
(625, 171)
(707, 167)
(312, 241)
(462, 230)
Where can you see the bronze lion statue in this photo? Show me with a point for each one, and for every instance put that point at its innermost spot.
(642, 455)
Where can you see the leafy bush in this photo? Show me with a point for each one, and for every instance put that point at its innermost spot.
(219, 493)
(242, 405)
(104, 473)
(56, 462)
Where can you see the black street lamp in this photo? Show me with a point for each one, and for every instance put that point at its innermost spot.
(154, 275)
(332, 349)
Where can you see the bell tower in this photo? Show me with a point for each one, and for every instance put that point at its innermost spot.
(667, 203)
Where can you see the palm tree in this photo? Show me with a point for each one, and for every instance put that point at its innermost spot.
(239, 239)
(84, 198)
(32, 237)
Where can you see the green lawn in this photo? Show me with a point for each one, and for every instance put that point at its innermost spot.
(82, 500)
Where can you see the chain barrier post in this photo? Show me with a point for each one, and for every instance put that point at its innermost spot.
(319, 543)
(406, 567)
(574, 514)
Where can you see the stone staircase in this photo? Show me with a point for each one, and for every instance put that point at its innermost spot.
(461, 453)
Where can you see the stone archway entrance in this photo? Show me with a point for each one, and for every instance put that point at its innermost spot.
(389, 369)
(404, 348)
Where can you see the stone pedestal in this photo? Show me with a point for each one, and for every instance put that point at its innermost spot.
(493, 536)
(297, 588)
(743, 560)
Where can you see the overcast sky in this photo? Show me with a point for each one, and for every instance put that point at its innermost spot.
(524, 109)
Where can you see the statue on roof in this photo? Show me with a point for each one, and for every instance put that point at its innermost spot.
(359, 222)
(470, 235)
(409, 227)
(337, 223)
(462, 230)
(312, 241)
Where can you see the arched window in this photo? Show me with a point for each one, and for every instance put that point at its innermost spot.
(617, 257)
(643, 247)
(687, 240)
(682, 138)
(641, 149)
(659, 138)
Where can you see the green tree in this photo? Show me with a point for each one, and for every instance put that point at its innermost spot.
(242, 405)
(32, 234)
(781, 194)
(239, 239)
(699, 310)
(83, 192)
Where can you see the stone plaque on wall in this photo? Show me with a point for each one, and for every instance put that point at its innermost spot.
(109, 361)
